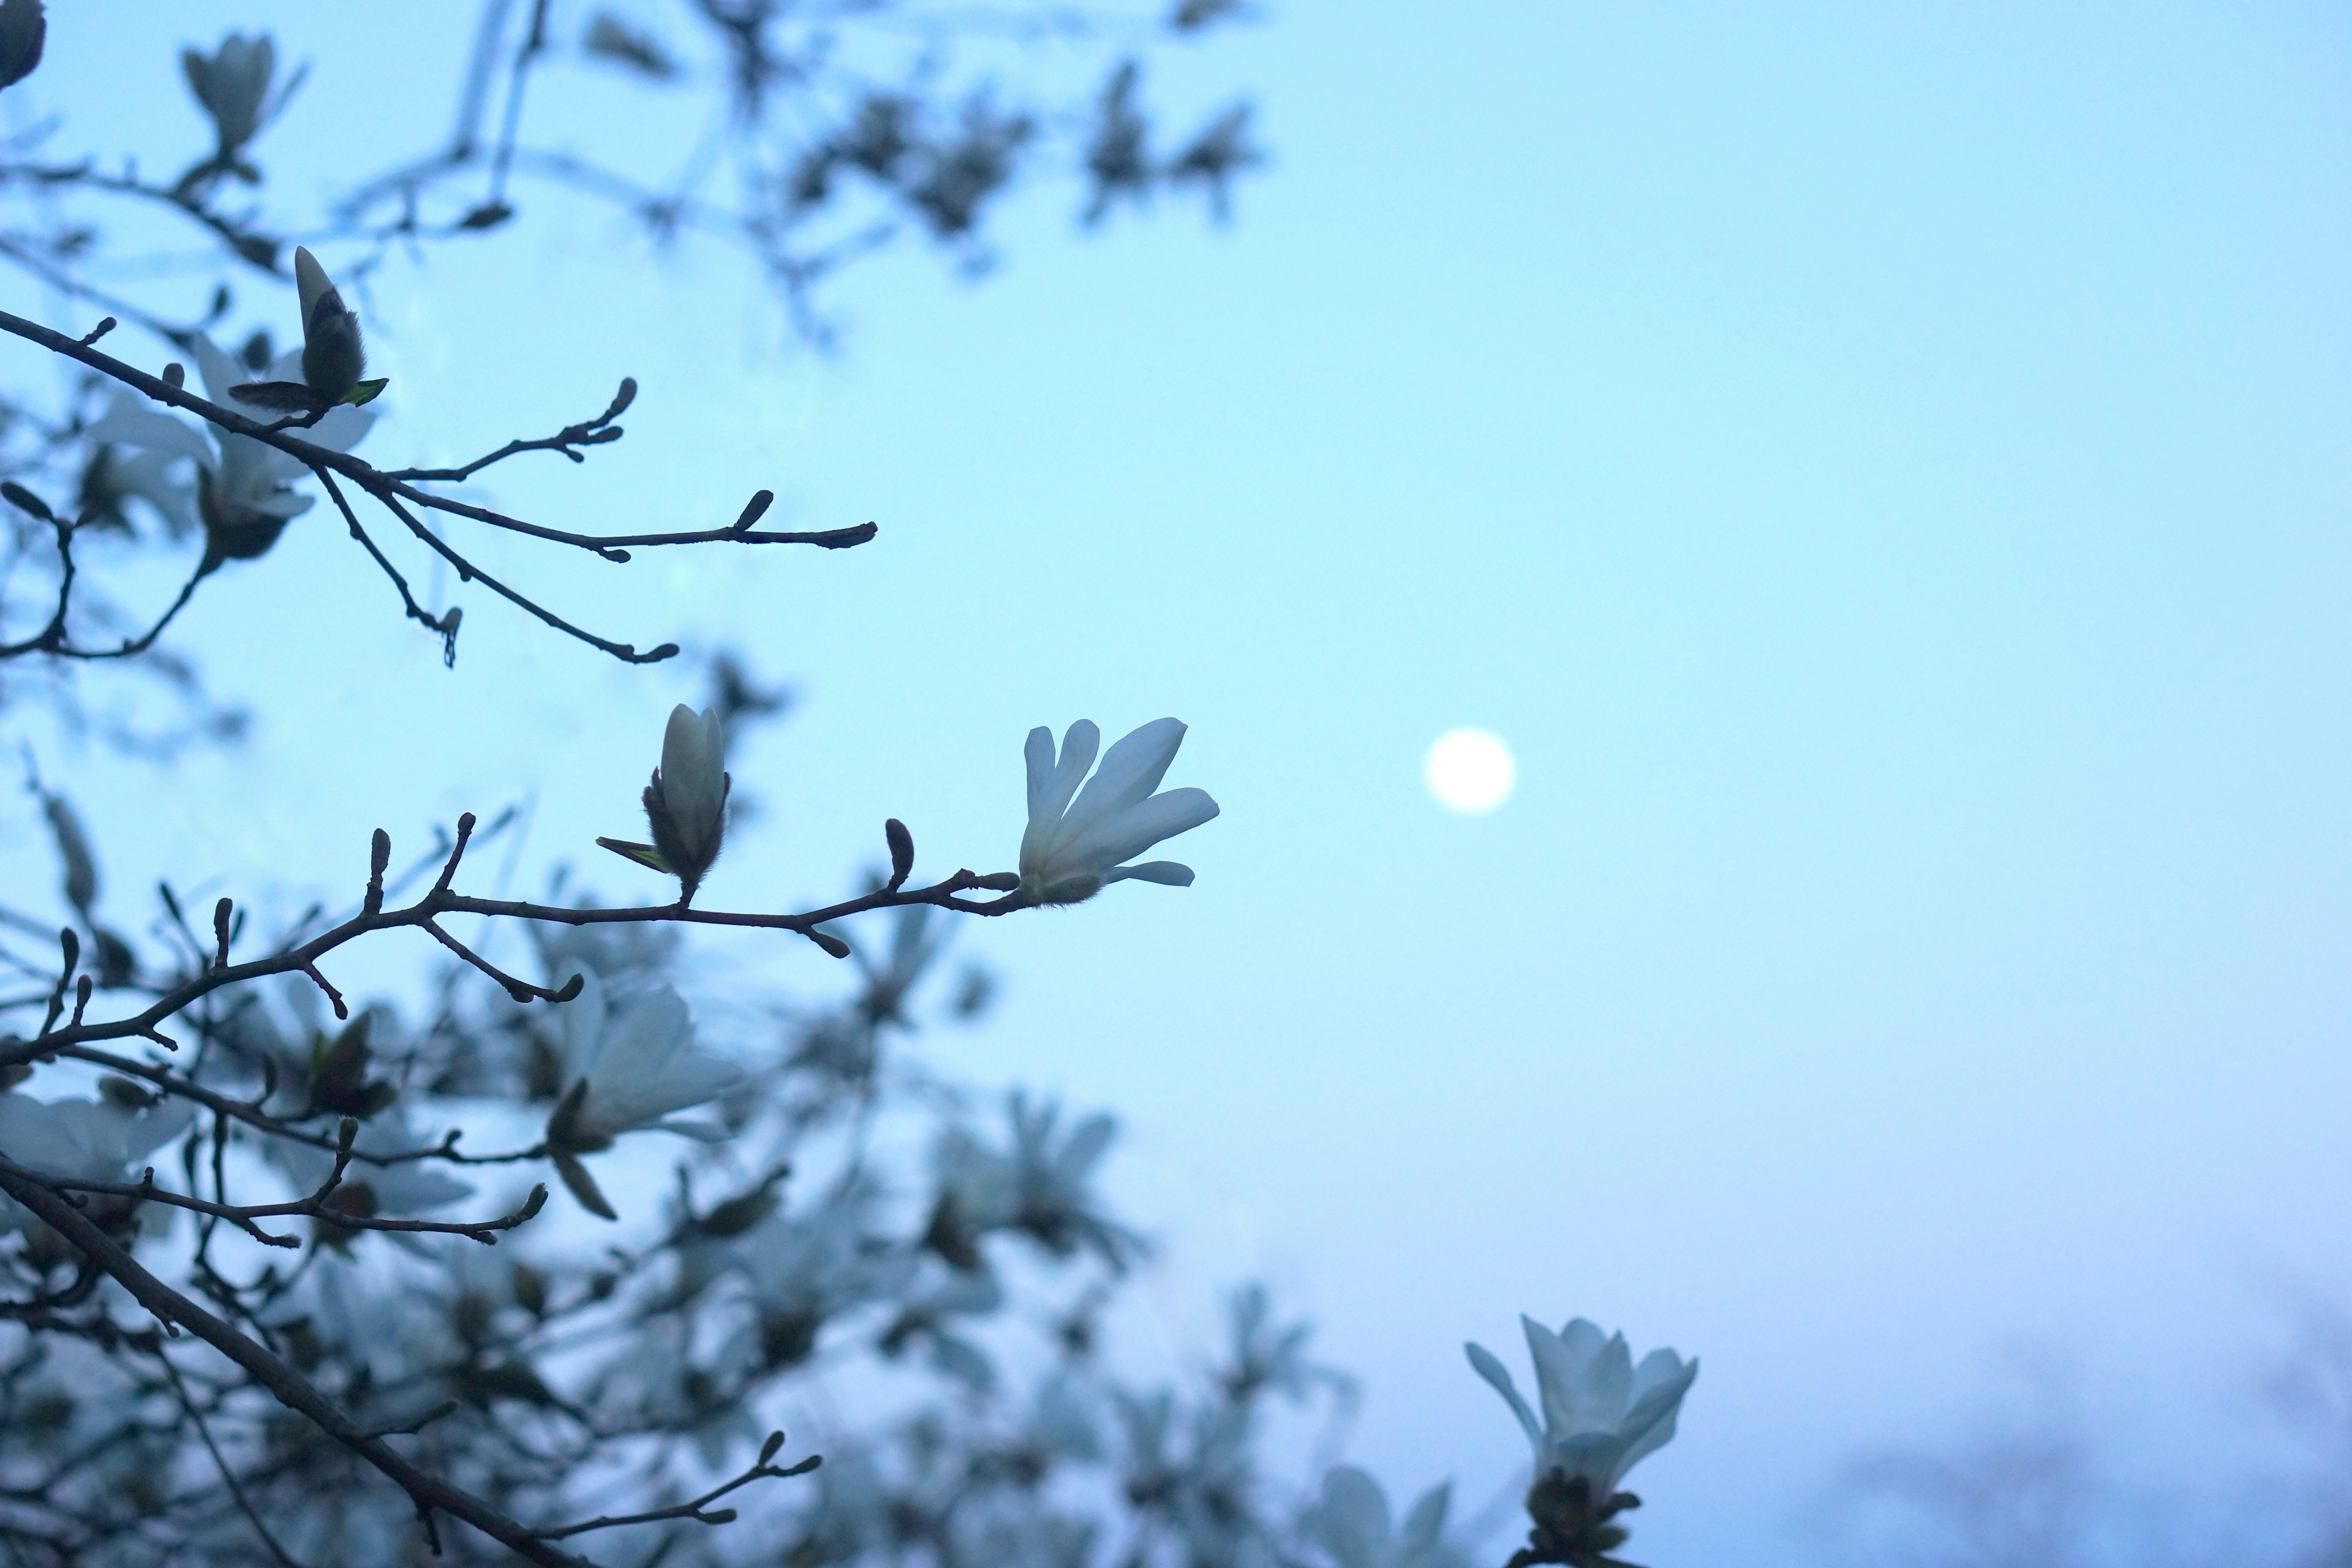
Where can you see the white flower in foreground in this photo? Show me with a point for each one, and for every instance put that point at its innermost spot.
(630, 1066)
(241, 493)
(1352, 1524)
(1072, 848)
(83, 1140)
(685, 804)
(1602, 1414)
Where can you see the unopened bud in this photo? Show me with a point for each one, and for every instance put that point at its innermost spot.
(332, 356)
(902, 851)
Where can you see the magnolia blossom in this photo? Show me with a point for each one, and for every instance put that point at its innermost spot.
(1352, 1524)
(83, 1140)
(241, 494)
(632, 1063)
(1072, 848)
(233, 84)
(1042, 1186)
(806, 1269)
(685, 804)
(1602, 1414)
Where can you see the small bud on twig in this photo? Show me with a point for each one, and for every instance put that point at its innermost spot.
(379, 857)
(902, 852)
(753, 510)
(25, 500)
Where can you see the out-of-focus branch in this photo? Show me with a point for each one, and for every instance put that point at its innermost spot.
(427, 1491)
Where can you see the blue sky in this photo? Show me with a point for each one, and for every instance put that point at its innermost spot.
(1880, 468)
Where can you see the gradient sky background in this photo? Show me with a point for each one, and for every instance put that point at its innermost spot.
(1883, 470)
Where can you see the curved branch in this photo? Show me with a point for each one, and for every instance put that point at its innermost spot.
(426, 1490)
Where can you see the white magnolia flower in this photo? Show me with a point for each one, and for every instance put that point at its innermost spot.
(1072, 848)
(685, 804)
(1352, 1524)
(631, 1064)
(233, 84)
(83, 1140)
(1602, 1414)
(241, 494)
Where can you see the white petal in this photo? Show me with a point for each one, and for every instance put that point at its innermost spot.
(1086, 1144)
(1650, 1423)
(1167, 873)
(1353, 1517)
(132, 422)
(219, 372)
(1426, 1522)
(1484, 1363)
(1130, 771)
(340, 429)
(1050, 790)
(1132, 831)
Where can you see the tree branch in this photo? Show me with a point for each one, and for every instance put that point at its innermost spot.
(429, 1491)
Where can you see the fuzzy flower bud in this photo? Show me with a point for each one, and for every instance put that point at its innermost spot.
(332, 356)
(685, 804)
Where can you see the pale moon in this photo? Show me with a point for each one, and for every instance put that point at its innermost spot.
(1469, 771)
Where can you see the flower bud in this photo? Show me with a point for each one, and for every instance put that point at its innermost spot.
(22, 30)
(686, 801)
(332, 354)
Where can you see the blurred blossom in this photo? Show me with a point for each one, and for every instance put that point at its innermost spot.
(1204, 1490)
(918, 933)
(85, 1139)
(657, 1382)
(241, 493)
(616, 950)
(928, 1318)
(233, 85)
(1072, 848)
(851, 1516)
(1033, 1537)
(1268, 1358)
(807, 1270)
(1040, 1186)
(1351, 1522)
(406, 1190)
